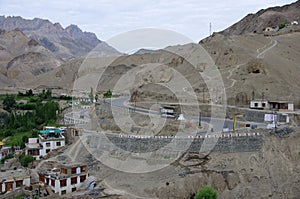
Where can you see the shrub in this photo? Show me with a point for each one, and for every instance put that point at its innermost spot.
(207, 192)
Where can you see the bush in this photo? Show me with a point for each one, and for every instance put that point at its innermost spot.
(281, 25)
(207, 192)
(25, 160)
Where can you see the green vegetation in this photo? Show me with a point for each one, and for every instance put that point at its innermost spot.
(207, 192)
(107, 94)
(25, 160)
(281, 25)
(91, 95)
(22, 196)
(25, 118)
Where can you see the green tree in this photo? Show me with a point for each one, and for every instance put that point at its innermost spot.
(281, 25)
(25, 160)
(96, 97)
(207, 192)
(29, 93)
(107, 94)
(91, 95)
(9, 102)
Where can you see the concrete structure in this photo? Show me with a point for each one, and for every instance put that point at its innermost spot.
(5, 150)
(272, 105)
(259, 104)
(48, 140)
(281, 105)
(65, 180)
(13, 179)
(167, 111)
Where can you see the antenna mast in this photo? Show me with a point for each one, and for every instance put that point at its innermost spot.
(209, 28)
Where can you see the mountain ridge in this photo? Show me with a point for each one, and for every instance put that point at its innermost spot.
(66, 43)
(256, 23)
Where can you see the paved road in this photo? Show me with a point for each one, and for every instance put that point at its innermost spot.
(217, 123)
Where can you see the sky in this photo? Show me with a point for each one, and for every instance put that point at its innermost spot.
(108, 18)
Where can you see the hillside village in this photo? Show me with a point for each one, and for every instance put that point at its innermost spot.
(62, 141)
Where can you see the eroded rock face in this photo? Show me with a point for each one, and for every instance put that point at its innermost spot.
(233, 180)
(218, 182)
(153, 73)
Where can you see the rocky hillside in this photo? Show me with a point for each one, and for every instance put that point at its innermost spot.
(256, 23)
(23, 58)
(66, 42)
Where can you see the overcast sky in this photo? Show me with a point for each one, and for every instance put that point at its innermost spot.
(108, 18)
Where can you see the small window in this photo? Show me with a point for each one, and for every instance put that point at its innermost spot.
(73, 189)
(73, 170)
(74, 180)
(58, 144)
(63, 182)
(82, 178)
(47, 150)
(63, 170)
(263, 104)
(41, 177)
(83, 168)
(19, 183)
(63, 192)
(53, 182)
(256, 104)
(48, 144)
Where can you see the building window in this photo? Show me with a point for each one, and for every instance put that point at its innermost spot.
(9, 186)
(63, 170)
(73, 189)
(41, 178)
(58, 144)
(74, 180)
(82, 178)
(47, 144)
(83, 168)
(19, 183)
(256, 104)
(53, 182)
(73, 170)
(263, 105)
(63, 182)
(47, 150)
(47, 181)
(63, 192)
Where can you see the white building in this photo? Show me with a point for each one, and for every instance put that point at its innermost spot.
(65, 180)
(48, 140)
(259, 104)
(13, 179)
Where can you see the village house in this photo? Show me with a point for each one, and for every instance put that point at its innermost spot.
(259, 104)
(13, 179)
(49, 139)
(64, 180)
(272, 105)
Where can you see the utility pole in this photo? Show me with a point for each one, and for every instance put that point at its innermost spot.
(203, 95)
(199, 119)
(209, 28)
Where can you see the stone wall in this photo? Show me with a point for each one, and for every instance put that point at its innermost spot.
(224, 145)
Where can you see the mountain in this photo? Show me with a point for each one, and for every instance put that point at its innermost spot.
(67, 43)
(23, 58)
(256, 23)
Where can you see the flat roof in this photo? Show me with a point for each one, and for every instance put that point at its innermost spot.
(11, 175)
